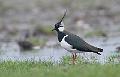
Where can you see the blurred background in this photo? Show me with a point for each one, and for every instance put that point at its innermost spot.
(25, 27)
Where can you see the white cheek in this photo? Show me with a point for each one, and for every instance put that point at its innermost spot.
(62, 24)
(61, 28)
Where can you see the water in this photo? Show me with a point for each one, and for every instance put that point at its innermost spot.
(11, 51)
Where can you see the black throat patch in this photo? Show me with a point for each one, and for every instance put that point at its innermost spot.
(60, 36)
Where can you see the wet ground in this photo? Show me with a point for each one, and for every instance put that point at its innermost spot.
(11, 51)
(18, 17)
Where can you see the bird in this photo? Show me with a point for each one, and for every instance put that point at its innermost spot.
(26, 45)
(71, 42)
(118, 49)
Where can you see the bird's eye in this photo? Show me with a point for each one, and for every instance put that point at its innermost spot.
(56, 25)
(61, 26)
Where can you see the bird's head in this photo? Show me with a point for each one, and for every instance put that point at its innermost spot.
(59, 26)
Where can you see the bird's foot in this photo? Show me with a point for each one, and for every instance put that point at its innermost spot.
(74, 57)
(72, 63)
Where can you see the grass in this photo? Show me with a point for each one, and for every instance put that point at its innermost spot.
(4, 8)
(96, 33)
(62, 69)
(37, 41)
(46, 30)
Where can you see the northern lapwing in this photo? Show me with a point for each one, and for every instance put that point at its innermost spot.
(118, 49)
(25, 45)
(73, 43)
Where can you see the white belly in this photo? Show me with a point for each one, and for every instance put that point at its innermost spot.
(67, 46)
(64, 44)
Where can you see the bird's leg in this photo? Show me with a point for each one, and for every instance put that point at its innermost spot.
(73, 58)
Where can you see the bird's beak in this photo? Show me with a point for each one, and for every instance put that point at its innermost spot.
(53, 29)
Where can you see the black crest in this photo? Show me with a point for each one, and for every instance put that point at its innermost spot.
(57, 25)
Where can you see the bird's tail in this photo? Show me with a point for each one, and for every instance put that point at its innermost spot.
(98, 50)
